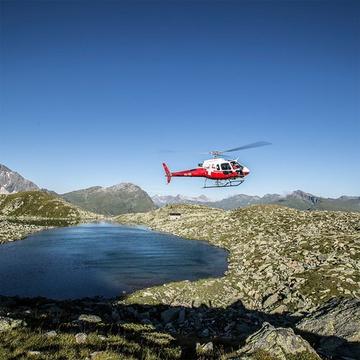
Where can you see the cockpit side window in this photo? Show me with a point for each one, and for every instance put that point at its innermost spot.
(225, 166)
(217, 167)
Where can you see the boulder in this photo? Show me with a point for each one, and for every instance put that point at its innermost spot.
(336, 327)
(34, 353)
(80, 338)
(202, 349)
(7, 323)
(90, 318)
(271, 300)
(182, 316)
(278, 343)
(169, 314)
(51, 334)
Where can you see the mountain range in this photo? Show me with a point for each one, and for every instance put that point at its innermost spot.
(163, 200)
(297, 199)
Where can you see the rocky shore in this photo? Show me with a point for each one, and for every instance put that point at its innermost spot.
(281, 260)
(11, 231)
(17, 228)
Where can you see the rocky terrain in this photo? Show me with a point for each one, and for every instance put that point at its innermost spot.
(283, 263)
(10, 230)
(113, 200)
(12, 182)
(297, 200)
(280, 259)
(102, 329)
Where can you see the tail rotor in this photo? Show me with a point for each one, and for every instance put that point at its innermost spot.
(167, 173)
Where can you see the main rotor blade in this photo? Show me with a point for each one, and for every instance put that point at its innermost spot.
(248, 146)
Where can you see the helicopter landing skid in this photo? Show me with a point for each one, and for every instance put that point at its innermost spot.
(223, 183)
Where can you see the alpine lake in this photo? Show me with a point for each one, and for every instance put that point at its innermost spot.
(102, 259)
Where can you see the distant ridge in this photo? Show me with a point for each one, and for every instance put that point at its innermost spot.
(297, 199)
(12, 182)
(114, 200)
(162, 200)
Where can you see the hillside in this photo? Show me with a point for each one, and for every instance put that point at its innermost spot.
(114, 200)
(26, 212)
(38, 204)
(280, 259)
(12, 182)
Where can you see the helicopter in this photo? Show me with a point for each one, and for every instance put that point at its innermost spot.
(220, 171)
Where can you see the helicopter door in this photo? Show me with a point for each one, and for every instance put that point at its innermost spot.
(226, 168)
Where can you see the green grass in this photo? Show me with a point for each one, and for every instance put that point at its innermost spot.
(19, 343)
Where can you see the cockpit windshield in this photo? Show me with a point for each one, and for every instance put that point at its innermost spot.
(235, 165)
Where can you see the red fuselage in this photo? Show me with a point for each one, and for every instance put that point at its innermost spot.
(214, 175)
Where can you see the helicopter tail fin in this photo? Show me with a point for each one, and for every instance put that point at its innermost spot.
(167, 173)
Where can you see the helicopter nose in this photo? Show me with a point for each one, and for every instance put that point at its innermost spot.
(245, 171)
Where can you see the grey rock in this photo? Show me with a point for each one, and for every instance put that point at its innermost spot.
(182, 315)
(271, 300)
(204, 348)
(280, 309)
(51, 334)
(34, 353)
(115, 315)
(205, 333)
(80, 338)
(96, 354)
(169, 314)
(90, 318)
(277, 342)
(337, 324)
(7, 323)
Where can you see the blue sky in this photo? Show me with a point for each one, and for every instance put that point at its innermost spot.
(92, 93)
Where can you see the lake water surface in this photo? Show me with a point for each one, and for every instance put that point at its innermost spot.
(102, 259)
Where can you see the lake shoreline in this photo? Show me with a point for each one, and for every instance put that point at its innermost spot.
(15, 228)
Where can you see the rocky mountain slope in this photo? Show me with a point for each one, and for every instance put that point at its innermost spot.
(12, 182)
(113, 200)
(297, 199)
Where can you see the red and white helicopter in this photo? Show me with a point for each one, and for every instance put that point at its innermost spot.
(224, 172)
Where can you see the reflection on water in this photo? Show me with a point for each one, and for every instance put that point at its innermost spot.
(102, 259)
